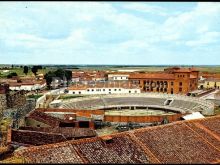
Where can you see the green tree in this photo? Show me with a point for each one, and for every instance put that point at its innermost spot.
(49, 78)
(25, 70)
(34, 69)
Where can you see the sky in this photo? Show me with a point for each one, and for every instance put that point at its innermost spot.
(120, 33)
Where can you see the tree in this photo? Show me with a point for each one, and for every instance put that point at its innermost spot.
(34, 70)
(25, 69)
(60, 73)
(49, 78)
(10, 75)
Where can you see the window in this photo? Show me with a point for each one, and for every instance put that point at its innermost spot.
(171, 90)
(92, 89)
(183, 76)
(103, 89)
(66, 124)
(181, 83)
(135, 91)
(79, 92)
(171, 83)
(129, 91)
(119, 89)
(84, 124)
(115, 89)
(121, 77)
(109, 89)
(88, 90)
(73, 92)
(180, 89)
(97, 89)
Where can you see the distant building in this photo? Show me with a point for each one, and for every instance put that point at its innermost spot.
(211, 83)
(118, 76)
(28, 85)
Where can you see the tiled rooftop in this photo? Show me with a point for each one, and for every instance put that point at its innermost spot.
(44, 118)
(192, 141)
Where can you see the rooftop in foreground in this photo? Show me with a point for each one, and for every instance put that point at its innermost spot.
(192, 141)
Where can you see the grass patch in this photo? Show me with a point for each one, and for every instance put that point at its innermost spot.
(217, 111)
(34, 96)
(4, 123)
(65, 97)
(13, 159)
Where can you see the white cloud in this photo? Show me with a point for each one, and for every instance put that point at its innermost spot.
(205, 38)
(146, 8)
(90, 32)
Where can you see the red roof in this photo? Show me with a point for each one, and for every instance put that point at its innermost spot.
(183, 142)
(151, 76)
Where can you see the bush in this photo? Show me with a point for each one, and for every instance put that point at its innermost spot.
(10, 75)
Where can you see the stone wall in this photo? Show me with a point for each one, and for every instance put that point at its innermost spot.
(3, 104)
(15, 99)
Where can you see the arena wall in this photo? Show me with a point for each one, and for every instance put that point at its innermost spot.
(142, 119)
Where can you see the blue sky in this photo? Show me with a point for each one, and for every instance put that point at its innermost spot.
(138, 33)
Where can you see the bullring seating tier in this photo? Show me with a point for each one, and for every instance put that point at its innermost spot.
(180, 103)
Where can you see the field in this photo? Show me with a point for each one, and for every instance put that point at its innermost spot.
(19, 72)
(210, 69)
(46, 68)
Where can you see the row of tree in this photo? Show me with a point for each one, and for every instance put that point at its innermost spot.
(34, 69)
(59, 73)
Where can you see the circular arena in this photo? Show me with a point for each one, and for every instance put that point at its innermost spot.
(143, 101)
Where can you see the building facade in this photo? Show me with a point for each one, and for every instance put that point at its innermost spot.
(113, 87)
(173, 80)
(211, 83)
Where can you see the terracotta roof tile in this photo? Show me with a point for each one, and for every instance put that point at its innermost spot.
(178, 142)
(151, 76)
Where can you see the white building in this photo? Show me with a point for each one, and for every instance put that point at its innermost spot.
(27, 86)
(118, 76)
(75, 79)
(104, 88)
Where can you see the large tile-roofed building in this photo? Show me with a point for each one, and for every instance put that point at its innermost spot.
(173, 80)
(191, 141)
